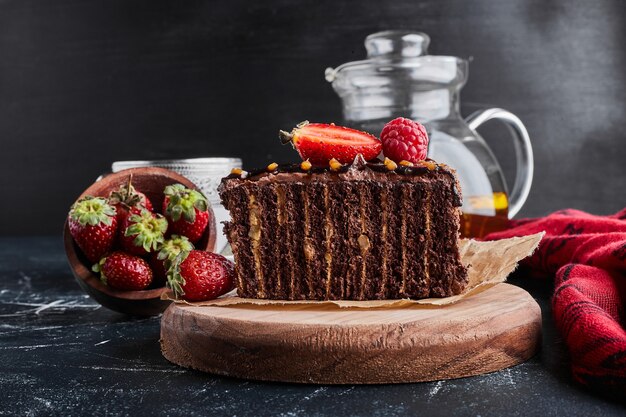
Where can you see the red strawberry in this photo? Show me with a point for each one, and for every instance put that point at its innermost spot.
(186, 210)
(319, 143)
(201, 276)
(127, 198)
(93, 224)
(161, 261)
(143, 232)
(404, 139)
(124, 272)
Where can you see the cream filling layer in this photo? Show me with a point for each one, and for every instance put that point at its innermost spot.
(280, 218)
(403, 246)
(255, 239)
(428, 238)
(235, 248)
(328, 228)
(309, 251)
(383, 238)
(364, 244)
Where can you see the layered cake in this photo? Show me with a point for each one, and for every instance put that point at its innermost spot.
(345, 231)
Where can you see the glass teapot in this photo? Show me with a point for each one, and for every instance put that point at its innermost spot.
(399, 78)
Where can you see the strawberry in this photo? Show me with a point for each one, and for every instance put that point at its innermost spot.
(93, 224)
(404, 140)
(201, 276)
(126, 198)
(161, 261)
(319, 143)
(142, 232)
(122, 271)
(186, 210)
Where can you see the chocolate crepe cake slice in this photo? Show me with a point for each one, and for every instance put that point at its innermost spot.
(361, 231)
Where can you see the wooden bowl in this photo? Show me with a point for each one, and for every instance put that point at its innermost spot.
(150, 181)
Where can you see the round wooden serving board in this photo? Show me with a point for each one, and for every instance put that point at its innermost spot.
(492, 330)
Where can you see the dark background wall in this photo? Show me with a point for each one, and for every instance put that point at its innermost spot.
(84, 83)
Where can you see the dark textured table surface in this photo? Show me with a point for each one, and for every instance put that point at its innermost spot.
(63, 354)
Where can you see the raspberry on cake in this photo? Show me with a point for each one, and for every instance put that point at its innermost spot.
(404, 140)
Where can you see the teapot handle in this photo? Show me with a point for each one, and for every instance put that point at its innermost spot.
(523, 152)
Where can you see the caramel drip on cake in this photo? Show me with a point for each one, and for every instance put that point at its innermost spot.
(396, 228)
(427, 236)
(383, 238)
(269, 243)
(232, 236)
(364, 241)
(280, 205)
(439, 236)
(328, 228)
(317, 238)
(403, 245)
(237, 232)
(415, 241)
(346, 229)
(372, 218)
(446, 272)
(309, 252)
(294, 263)
(282, 260)
(255, 238)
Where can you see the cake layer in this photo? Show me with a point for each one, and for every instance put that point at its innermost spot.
(365, 231)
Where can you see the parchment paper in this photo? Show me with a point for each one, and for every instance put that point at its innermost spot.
(489, 263)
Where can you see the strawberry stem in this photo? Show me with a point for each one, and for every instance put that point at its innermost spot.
(125, 195)
(285, 137)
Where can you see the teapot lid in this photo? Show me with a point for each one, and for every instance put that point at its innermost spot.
(396, 43)
(399, 53)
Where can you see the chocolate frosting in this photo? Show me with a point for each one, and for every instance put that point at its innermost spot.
(359, 169)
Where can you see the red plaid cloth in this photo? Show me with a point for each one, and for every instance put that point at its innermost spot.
(587, 254)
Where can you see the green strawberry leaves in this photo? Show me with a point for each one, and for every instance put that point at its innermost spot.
(92, 211)
(183, 202)
(148, 228)
(173, 252)
(175, 280)
(98, 269)
(174, 246)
